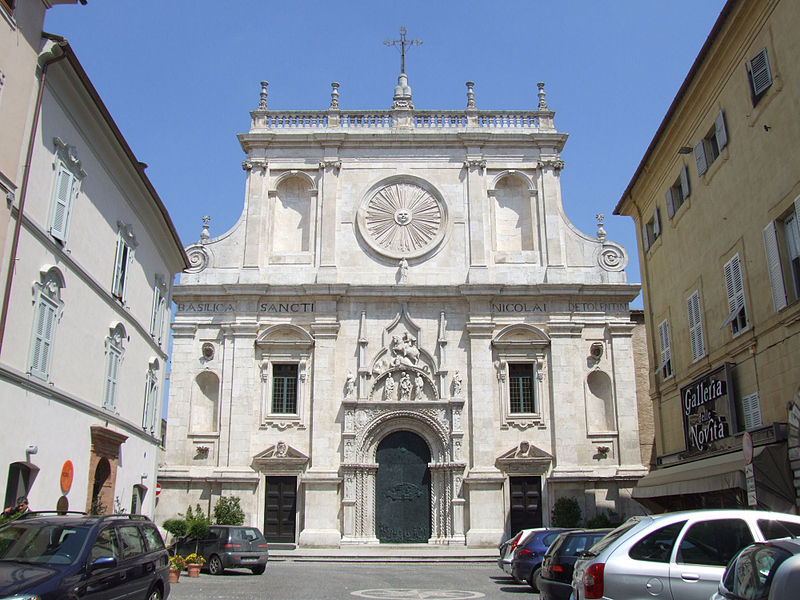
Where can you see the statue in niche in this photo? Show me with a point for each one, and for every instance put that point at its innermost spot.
(388, 388)
(405, 387)
(403, 274)
(457, 384)
(404, 350)
(419, 387)
(349, 386)
(281, 449)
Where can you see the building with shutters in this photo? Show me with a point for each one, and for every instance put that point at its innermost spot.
(84, 348)
(402, 339)
(716, 201)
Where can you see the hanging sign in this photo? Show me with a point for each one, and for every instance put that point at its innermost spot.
(708, 412)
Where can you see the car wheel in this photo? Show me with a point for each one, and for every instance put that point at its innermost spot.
(155, 594)
(215, 565)
(532, 578)
(258, 570)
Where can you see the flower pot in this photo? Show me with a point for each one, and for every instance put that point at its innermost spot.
(174, 575)
(194, 569)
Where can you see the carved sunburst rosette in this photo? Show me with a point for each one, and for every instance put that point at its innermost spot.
(402, 218)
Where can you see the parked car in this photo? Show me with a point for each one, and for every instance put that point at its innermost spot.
(673, 556)
(507, 548)
(526, 558)
(555, 577)
(229, 547)
(762, 571)
(74, 555)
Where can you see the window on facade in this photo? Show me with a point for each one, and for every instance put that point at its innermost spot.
(759, 75)
(65, 188)
(20, 478)
(665, 364)
(678, 192)
(126, 242)
(46, 312)
(520, 387)
(696, 326)
(751, 411)
(114, 353)
(159, 309)
(651, 230)
(284, 388)
(150, 409)
(707, 150)
(782, 247)
(734, 286)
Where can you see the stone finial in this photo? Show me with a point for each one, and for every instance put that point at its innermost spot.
(334, 96)
(601, 232)
(262, 103)
(204, 235)
(470, 95)
(542, 101)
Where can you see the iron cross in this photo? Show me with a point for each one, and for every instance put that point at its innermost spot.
(403, 42)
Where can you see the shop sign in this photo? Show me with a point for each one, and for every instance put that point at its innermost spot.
(709, 414)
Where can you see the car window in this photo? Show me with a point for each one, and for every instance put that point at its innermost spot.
(657, 546)
(132, 543)
(215, 533)
(579, 542)
(246, 534)
(548, 538)
(714, 542)
(152, 538)
(105, 545)
(42, 544)
(772, 529)
(612, 537)
(750, 575)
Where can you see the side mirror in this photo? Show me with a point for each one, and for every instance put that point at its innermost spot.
(104, 562)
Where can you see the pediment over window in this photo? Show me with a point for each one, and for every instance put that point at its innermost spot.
(281, 457)
(285, 336)
(525, 458)
(521, 335)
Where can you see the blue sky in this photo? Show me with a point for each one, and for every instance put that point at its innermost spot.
(180, 77)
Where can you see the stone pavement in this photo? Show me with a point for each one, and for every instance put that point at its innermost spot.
(384, 553)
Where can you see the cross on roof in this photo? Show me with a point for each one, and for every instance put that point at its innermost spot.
(403, 42)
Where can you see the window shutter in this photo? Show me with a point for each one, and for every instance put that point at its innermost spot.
(61, 203)
(720, 131)
(670, 205)
(696, 327)
(760, 74)
(645, 240)
(43, 338)
(685, 182)
(112, 367)
(730, 291)
(738, 281)
(751, 409)
(774, 266)
(663, 337)
(656, 223)
(119, 269)
(700, 158)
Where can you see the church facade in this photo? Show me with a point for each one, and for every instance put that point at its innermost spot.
(403, 338)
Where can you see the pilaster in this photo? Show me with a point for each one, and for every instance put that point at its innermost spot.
(256, 231)
(476, 206)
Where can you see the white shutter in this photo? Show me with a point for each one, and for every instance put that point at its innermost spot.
(42, 342)
(666, 354)
(685, 182)
(700, 158)
(62, 200)
(719, 130)
(751, 409)
(119, 269)
(696, 327)
(645, 239)
(730, 291)
(670, 205)
(656, 223)
(760, 74)
(112, 368)
(774, 266)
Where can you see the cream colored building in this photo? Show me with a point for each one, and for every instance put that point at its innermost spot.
(403, 338)
(84, 351)
(716, 201)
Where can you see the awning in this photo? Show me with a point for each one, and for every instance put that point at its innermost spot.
(707, 475)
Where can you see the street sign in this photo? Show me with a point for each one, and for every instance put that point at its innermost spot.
(750, 478)
(158, 489)
(747, 447)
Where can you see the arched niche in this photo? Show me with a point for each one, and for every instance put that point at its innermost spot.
(513, 218)
(205, 403)
(292, 218)
(600, 416)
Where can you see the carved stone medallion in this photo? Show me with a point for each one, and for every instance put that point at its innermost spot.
(402, 219)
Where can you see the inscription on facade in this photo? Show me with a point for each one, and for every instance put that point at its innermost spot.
(264, 307)
(206, 307)
(570, 306)
(286, 307)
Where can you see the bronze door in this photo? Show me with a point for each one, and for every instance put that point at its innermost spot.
(526, 505)
(403, 490)
(280, 509)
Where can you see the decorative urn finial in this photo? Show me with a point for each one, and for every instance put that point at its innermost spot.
(541, 94)
(470, 95)
(334, 96)
(204, 235)
(262, 103)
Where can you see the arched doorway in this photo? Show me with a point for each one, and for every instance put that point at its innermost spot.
(100, 499)
(403, 489)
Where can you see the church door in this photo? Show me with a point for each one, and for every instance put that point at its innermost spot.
(526, 505)
(403, 490)
(280, 509)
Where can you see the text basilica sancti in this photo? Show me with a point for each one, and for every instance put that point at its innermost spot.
(403, 338)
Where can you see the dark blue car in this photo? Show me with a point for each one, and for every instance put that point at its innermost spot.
(529, 553)
(74, 556)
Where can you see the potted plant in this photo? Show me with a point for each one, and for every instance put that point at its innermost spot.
(176, 565)
(193, 564)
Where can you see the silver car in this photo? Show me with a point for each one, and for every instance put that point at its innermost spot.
(673, 556)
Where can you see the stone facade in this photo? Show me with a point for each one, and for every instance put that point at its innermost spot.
(415, 275)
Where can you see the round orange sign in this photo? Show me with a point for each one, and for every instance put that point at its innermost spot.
(66, 476)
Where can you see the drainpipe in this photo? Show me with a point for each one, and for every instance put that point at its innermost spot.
(53, 54)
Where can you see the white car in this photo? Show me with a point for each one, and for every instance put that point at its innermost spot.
(507, 548)
(673, 556)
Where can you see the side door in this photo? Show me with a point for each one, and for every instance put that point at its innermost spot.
(138, 573)
(214, 542)
(104, 582)
(704, 549)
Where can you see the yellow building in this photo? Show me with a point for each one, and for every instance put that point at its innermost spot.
(716, 201)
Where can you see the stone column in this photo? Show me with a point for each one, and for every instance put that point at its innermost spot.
(180, 394)
(477, 216)
(256, 199)
(630, 458)
(568, 421)
(484, 482)
(320, 484)
(553, 250)
(240, 396)
(329, 168)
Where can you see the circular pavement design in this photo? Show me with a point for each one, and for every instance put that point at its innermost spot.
(416, 594)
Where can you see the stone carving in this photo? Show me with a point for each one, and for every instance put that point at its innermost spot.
(405, 387)
(402, 220)
(611, 257)
(404, 350)
(348, 420)
(348, 450)
(419, 388)
(403, 274)
(388, 388)
(198, 259)
(456, 384)
(349, 386)
(280, 449)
